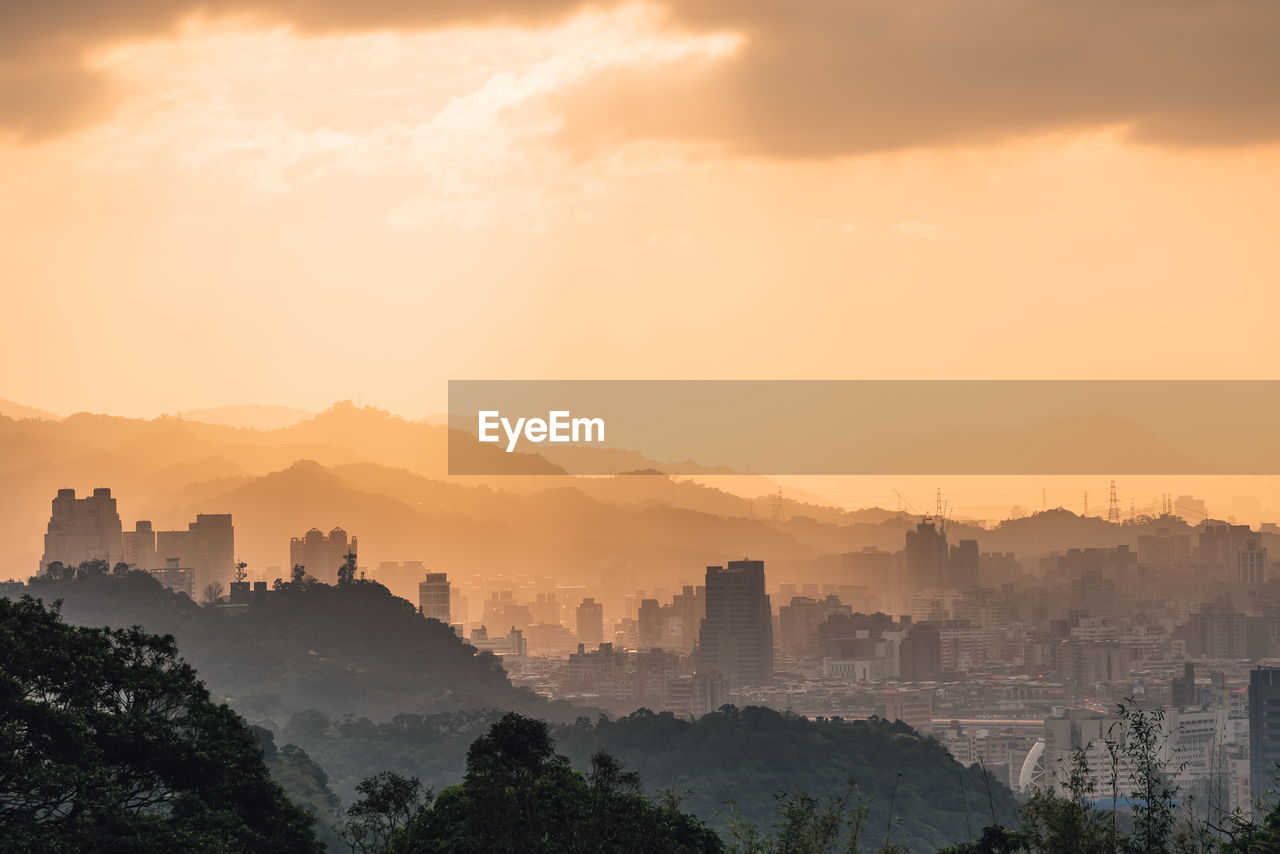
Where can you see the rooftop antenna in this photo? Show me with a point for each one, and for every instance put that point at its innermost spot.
(240, 573)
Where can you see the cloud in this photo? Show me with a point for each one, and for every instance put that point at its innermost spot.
(828, 78)
(811, 78)
(49, 85)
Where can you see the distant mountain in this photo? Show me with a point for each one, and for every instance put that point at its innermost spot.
(254, 416)
(17, 411)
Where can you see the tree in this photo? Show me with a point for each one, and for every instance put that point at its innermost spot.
(347, 572)
(387, 802)
(519, 796)
(212, 592)
(108, 742)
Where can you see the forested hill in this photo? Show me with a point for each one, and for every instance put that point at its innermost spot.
(349, 649)
(735, 761)
(741, 759)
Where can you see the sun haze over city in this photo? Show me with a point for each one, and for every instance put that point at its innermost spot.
(306, 303)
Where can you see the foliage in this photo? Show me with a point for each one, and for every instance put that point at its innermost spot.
(519, 796)
(347, 572)
(734, 761)
(306, 785)
(108, 742)
(350, 649)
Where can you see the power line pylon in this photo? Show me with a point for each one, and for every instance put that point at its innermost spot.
(1113, 508)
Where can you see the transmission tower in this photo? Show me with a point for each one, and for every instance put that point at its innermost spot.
(1113, 507)
(1086, 502)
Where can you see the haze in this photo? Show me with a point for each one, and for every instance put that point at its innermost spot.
(256, 204)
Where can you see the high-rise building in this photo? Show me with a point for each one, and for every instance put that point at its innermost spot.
(140, 547)
(1219, 543)
(590, 623)
(207, 547)
(83, 529)
(1264, 729)
(321, 555)
(736, 639)
(1164, 548)
(1183, 689)
(650, 624)
(1218, 630)
(433, 596)
(962, 566)
(1251, 561)
(926, 557)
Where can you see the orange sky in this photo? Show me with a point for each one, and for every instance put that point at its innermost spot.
(270, 205)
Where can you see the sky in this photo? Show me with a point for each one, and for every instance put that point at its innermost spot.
(281, 203)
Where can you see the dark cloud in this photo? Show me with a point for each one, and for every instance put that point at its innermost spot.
(818, 78)
(813, 78)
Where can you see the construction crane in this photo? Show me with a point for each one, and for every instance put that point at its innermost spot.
(903, 499)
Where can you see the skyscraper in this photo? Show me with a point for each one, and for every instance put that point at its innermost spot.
(926, 557)
(433, 596)
(1264, 728)
(736, 639)
(83, 529)
(590, 624)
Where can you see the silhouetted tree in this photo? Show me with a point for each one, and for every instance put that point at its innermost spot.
(387, 802)
(347, 572)
(519, 796)
(212, 592)
(110, 743)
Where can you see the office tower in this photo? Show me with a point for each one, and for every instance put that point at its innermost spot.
(736, 639)
(926, 557)
(321, 555)
(962, 566)
(433, 596)
(211, 548)
(83, 529)
(1264, 730)
(590, 624)
(920, 654)
(1183, 689)
(650, 624)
